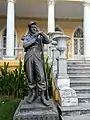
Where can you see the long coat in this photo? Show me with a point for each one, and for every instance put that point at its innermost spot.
(33, 62)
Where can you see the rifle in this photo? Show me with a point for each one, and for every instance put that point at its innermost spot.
(42, 56)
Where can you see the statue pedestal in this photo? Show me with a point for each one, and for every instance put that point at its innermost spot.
(36, 111)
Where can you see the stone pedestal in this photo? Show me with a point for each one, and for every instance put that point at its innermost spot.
(36, 111)
(68, 95)
(62, 77)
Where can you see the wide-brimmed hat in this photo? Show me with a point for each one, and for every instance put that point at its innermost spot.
(31, 23)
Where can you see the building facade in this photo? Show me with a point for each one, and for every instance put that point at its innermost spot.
(73, 17)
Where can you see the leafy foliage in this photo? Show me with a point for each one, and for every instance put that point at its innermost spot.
(52, 88)
(49, 75)
(13, 82)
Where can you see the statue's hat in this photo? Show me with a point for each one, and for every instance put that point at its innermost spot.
(31, 23)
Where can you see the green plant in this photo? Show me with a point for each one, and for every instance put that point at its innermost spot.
(4, 79)
(49, 76)
(13, 82)
(20, 86)
(52, 88)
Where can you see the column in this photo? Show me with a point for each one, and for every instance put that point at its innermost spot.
(51, 23)
(10, 29)
(86, 30)
(51, 18)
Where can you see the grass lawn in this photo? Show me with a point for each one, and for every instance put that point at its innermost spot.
(8, 106)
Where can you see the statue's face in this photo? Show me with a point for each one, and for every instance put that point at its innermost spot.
(33, 29)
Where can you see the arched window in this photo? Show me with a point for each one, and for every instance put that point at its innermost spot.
(78, 33)
(78, 42)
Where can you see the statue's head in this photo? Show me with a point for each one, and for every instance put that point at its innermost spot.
(32, 27)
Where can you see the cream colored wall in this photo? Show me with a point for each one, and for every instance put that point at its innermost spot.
(68, 27)
(13, 64)
(2, 22)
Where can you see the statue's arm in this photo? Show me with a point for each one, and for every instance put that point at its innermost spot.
(27, 43)
(45, 38)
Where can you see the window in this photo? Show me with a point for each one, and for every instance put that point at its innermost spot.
(78, 42)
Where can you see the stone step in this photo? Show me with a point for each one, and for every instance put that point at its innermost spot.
(83, 95)
(83, 98)
(78, 72)
(78, 61)
(78, 68)
(79, 76)
(79, 79)
(76, 117)
(81, 89)
(78, 65)
(80, 82)
(80, 109)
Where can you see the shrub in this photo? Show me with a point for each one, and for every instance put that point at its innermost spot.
(49, 76)
(13, 82)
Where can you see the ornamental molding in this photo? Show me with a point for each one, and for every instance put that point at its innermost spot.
(86, 2)
(51, 2)
(13, 1)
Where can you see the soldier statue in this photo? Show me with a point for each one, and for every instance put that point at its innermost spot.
(34, 64)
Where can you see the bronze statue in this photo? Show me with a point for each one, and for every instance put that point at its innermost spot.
(34, 64)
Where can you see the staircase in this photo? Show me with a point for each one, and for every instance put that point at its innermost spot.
(79, 74)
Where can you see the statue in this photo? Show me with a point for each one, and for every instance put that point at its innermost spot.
(37, 105)
(34, 63)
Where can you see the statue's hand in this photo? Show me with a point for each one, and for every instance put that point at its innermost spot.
(39, 33)
(23, 37)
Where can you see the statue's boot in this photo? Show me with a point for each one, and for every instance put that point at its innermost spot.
(43, 99)
(32, 98)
